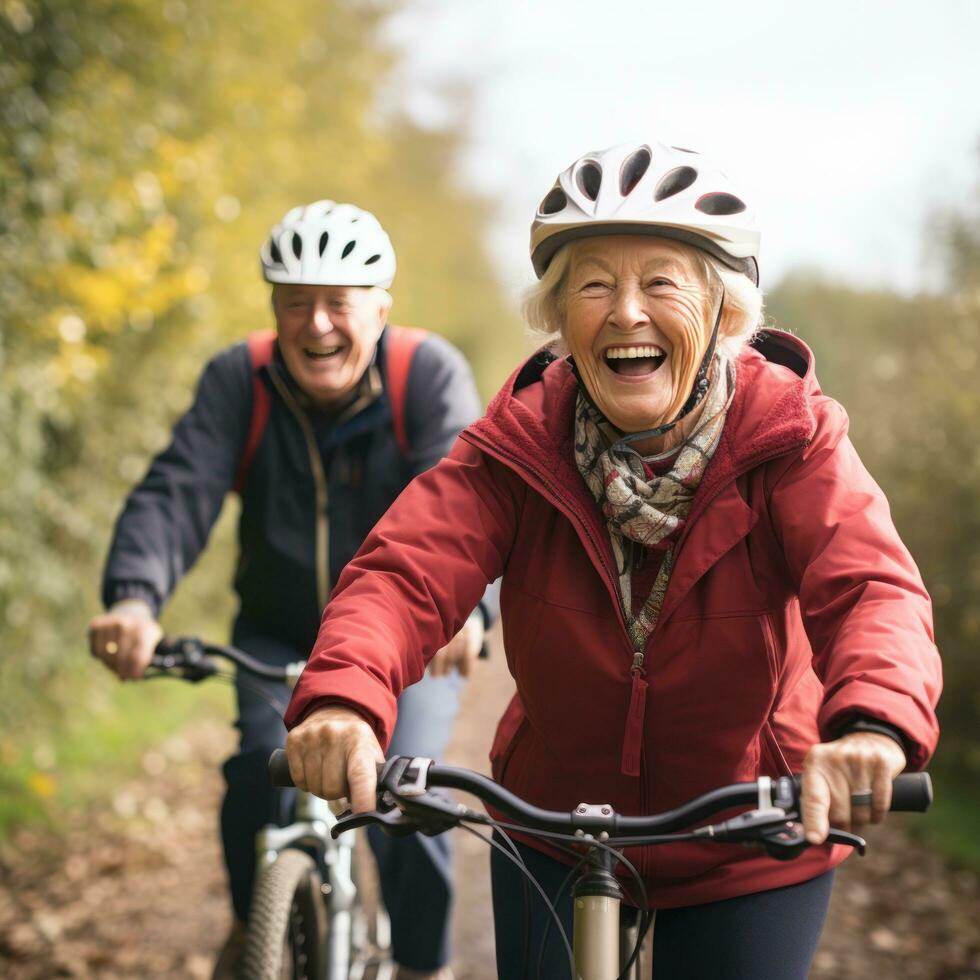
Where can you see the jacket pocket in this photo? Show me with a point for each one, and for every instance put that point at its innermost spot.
(772, 762)
(769, 641)
(510, 733)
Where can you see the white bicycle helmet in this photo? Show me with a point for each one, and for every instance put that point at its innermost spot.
(328, 244)
(647, 189)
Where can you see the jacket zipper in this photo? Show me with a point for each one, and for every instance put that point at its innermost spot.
(633, 759)
(632, 751)
(320, 489)
(633, 734)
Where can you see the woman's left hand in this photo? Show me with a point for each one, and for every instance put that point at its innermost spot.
(835, 773)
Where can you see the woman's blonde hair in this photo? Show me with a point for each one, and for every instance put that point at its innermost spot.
(544, 302)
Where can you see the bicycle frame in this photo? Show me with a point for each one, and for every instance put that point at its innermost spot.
(311, 830)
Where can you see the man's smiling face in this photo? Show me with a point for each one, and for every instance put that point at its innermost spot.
(327, 335)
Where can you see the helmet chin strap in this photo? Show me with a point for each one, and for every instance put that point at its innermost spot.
(698, 391)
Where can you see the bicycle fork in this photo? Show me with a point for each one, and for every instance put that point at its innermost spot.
(311, 831)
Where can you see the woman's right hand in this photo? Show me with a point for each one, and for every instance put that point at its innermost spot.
(125, 637)
(333, 752)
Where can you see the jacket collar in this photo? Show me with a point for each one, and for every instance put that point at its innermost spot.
(531, 417)
(529, 427)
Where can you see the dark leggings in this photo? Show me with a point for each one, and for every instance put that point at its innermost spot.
(770, 935)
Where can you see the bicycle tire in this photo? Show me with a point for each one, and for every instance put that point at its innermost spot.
(287, 922)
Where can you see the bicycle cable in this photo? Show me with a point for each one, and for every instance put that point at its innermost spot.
(236, 677)
(526, 895)
(487, 820)
(653, 839)
(518, 862)
(229, 677)
(556, 898)
(642, 905)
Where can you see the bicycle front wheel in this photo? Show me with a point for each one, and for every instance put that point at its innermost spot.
(287, 922)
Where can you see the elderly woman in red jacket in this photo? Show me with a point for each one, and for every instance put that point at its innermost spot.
(701, 582)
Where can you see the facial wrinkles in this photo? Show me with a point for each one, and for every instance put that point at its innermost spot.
(677, 310)
(688, 336)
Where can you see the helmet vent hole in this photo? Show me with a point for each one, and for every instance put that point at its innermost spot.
(348, 248)
(554, 202)
(720, 203)
(589, 178)
(275, 253)
(372, 260)
(324, 238)
(683, 149)
(635, 166)
(297, 245)
(679, 179)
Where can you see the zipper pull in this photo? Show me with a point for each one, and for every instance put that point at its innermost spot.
(633, 734)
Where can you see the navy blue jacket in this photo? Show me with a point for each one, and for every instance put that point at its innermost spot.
(347, 468)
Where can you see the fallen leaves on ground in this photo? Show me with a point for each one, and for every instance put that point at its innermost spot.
(136, 889)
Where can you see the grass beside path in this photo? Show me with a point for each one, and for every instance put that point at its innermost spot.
(950, 826)
(79, 756)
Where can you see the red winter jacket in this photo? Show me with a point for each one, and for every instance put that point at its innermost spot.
(793, 607)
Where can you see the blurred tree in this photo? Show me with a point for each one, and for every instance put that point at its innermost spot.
(905, 368)
(955, 235)
(145, 150)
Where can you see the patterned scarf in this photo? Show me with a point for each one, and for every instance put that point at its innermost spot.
(641, 512)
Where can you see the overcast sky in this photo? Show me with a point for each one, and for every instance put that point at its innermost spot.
(846, 122)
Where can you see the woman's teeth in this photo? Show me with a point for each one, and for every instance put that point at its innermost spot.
(651, 350)
(635, 361)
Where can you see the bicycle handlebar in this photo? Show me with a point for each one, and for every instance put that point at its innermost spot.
(911, 792)
(188, 656)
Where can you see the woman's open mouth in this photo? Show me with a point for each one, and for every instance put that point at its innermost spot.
(634, 362)
(323, 354)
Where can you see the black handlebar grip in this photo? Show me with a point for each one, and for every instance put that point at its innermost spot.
(279, 769)
(912, 792)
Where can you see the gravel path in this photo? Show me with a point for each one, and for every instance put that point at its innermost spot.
(136, 890)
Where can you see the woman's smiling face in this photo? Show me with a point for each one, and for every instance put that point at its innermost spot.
(637, 321)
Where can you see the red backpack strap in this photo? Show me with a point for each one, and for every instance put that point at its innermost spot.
(402, 344)
(261, 345)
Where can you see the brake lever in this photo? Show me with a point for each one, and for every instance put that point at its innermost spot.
(850, 840)
(171, 665)
(429, 814)
(784, 842)
(433, 813)
(393, 822)
(788, 841)
(185, 655)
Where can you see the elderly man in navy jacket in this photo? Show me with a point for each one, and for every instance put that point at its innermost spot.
(319, 426)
